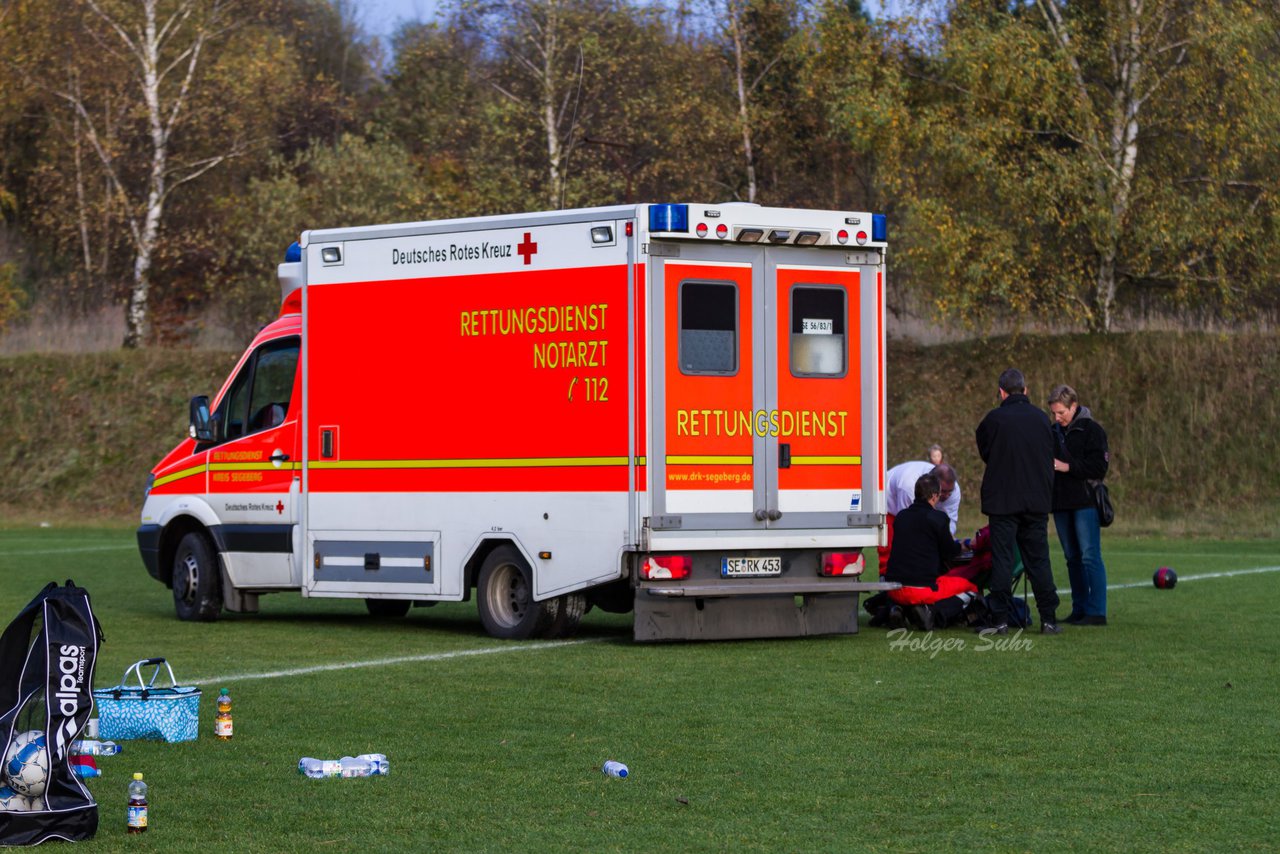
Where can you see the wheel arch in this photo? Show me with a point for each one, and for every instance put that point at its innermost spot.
(171, 535)
(481, 550)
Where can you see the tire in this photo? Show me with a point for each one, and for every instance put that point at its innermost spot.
(504, 597)
(569, 610)
(197, 588)
(387, 607)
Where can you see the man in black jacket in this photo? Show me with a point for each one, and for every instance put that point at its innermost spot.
(922, 549)
(1017, 444)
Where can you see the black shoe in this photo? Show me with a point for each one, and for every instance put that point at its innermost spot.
(996, 629)
(897, 619)
(923, 617)
(1075, 619)
(879, 618)
(1050, 629)
(1092, 621)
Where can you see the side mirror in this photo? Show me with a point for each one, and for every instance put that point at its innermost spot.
(201, 428)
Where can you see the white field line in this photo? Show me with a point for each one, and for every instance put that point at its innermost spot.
(1231, 573)
(533, 646)
(1179, 555)
(76, 550)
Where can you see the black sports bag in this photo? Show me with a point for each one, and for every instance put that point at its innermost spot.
(46, 695)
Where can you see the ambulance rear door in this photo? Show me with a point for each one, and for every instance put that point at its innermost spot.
(767, 371)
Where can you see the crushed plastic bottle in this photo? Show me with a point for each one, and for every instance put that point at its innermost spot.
(318, 768)
(85, 771)
(381, 767)
(364, 765)
(89, 747)
(615, 769)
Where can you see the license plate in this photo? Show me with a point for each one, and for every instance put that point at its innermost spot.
(748, 567)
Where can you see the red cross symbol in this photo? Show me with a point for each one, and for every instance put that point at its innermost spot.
(527, 248)
(280, 507)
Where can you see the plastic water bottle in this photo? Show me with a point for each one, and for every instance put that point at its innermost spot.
(83, 771)
(222, 723)
(364, 765)
(353, 766)
(89, 747)
(319, 768)
(378, 763)
(615, 769)
(137, 804)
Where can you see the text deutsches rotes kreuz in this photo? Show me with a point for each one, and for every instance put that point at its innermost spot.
(484, 251)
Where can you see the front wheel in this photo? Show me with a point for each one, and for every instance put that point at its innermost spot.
(197, 593)
(504, 597)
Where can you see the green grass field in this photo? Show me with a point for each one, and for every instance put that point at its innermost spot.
(1156, 733)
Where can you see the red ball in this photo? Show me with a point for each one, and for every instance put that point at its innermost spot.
(1165, 578)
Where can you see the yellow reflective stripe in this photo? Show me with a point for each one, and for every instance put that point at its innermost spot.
(826, 461)
(252, 466)
(527, 462)
(708, 461)
(178, 475)
(640, 461)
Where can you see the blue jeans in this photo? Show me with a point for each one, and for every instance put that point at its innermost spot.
(1081, 540)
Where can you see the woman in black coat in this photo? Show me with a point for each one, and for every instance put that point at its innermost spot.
(1081, 456)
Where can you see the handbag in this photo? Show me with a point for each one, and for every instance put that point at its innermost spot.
(1102, 500)
(143, 710)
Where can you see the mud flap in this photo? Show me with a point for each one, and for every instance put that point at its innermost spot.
(660, 618)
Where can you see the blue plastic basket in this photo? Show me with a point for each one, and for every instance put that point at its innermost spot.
(130, 711)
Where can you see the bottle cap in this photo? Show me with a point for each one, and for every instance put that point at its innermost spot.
(223, 692)
(137, 775)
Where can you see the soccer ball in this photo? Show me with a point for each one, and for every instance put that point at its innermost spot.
(26, 764)
(1165, 578)
(13, 802)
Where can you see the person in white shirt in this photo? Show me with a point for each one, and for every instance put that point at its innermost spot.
(900, 491)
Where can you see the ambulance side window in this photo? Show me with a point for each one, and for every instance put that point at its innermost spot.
(708, 328)
(259, 395)
(818, 339)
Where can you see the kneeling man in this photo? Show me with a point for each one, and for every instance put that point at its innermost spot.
(922, 549)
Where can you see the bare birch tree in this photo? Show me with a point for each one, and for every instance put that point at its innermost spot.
(163, 45)
(1146, 42)
(542, 39)
(749, 62)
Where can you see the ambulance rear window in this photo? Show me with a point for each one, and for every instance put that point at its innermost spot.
(818, 340)
(709, 328)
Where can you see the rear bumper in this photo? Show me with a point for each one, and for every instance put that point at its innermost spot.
(149, 548)
(715, 589)
(708, 610)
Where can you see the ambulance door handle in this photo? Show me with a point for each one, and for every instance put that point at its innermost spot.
(784, 455)
(279, 457)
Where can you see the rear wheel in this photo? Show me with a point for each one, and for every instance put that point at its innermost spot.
(387, 607)
(504, 597)
(197, 593)
(569, 610)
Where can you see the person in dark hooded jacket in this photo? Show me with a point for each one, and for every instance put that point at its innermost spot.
(1082, 456)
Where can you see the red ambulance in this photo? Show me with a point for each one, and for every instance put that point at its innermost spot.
(676, 409)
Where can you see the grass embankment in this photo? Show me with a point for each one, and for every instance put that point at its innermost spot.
(1193, 419)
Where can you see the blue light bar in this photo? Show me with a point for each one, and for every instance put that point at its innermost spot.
(293, 253)
(669, 218)
(879, 228)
